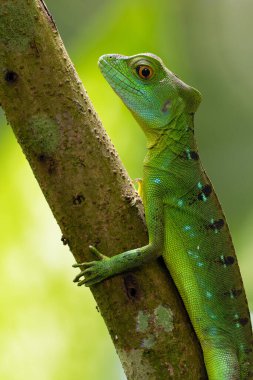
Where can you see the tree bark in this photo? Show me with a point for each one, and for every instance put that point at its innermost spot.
(90, 194)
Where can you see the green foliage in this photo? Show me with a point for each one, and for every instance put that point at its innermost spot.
(48, 330)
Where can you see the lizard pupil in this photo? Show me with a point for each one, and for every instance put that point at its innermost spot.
(144, 72)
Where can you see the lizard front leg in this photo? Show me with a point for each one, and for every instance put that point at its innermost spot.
(96, 271)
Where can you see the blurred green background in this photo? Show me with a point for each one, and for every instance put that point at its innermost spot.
(49, 328)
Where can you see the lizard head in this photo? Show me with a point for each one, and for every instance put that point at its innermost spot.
(152, 93)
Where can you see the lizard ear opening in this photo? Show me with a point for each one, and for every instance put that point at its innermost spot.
(191, 97)
(166, 106)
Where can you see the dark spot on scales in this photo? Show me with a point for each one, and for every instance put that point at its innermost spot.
(226, 260)
(193, 155)
(248, 350)
(242, 321)
(190, 129)
(216, 224)
(190, 155)
(202, 195)
(131, 287)
(233, 293)
(166, 106)
(206, 191)
(11, 76)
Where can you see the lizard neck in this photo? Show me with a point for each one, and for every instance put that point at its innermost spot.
(175, 140)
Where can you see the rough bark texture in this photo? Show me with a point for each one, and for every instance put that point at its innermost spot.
(90, 194)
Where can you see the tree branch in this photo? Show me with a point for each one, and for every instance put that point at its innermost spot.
(89, 193)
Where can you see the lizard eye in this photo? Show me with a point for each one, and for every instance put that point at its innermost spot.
(144, 71)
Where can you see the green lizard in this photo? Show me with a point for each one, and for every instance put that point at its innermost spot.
(184, 218)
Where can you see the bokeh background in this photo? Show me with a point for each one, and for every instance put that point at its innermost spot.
(49, 328)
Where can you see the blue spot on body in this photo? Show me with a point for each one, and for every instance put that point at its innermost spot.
(180, 202)
(216, 230)
(209, 294)
(223, 261)
(157, 180)
(213, 331)
(209, 311)
(237, 324)
(193, 254)
(242, 346)
(188, 153)
(199, 185)
(188, 229)
(200, 264)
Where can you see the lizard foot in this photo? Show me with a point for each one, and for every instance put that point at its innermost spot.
(139, 181)
(93, 271)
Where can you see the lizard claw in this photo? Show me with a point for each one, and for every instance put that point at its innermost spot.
(93, 271)
(98, 254)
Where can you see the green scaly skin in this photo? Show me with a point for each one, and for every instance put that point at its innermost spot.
(184, 218)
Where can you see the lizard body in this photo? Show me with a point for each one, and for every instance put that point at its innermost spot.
(185, 222)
